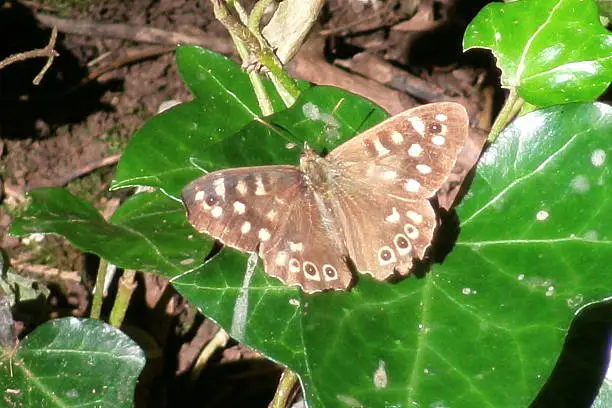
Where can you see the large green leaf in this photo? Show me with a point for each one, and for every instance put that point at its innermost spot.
(482, 329)
(148, 232)
(71, 363)
(552, 51)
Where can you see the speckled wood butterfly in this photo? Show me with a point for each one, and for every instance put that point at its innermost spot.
(362, 207)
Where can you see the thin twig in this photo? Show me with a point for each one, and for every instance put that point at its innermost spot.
(218, 342)
(285, 388)
(47, 52)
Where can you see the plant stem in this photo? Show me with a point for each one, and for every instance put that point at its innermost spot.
(98, 295)
(511, 107)
(219, 341)
(284, 390)
(127, 285)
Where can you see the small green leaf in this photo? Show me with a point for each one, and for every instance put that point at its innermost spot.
(148, 232)
(71, 362)
(552, 51)
(529, 256)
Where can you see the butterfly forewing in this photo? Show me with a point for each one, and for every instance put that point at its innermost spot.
(245, 206)
(410, 154)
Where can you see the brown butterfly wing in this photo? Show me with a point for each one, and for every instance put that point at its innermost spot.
(243, 207)
(269, 210)
(384, 177)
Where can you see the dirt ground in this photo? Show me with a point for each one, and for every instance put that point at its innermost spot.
(70, 131)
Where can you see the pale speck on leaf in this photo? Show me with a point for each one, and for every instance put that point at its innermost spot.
(580, 184)
(380, 376)
(542, 215)
(598, 157)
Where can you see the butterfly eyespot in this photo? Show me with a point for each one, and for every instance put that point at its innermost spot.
(435, 127)
(402, 244)
(330, 272)
(310, 270)
(411, 231)
(386, 255)
(211, 200)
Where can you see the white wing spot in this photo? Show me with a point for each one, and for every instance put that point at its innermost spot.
(380, 149)
(271, 215)
(245, 228)
(219, 185)
(389, 175)
(415, 150)
(260, 189)
(281, 258)
(414, 217)
(264, 234)
(216, 211)
(239, 207)
(542, 215)
(199, 196)
(294, 265)
(438, 140)
(296, 246)
(441, 117)
(241, 187)
(598, 157)
(397, 137)
(412, 186)
(418, 125)
(393, 217)
(423, 168)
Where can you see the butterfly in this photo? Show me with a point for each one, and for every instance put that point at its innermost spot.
(363, 207)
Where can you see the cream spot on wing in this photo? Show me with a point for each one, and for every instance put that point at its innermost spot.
(241, 187)
(438, 140)
(271, 215)
(380, 149)
(259, 187)
(264, 234)
(412, 186)
(397, 137)
(245, 228)
(294, 265)
(281, 258)
(239, 207)
(199, 196)
(219, 185)
(393, 217)
(389, 175)
(441, 117)
(216, 211)
(418, 125)
(423, 168)
(296, 246)
(414, 217)
(415, 150)
(443, 130)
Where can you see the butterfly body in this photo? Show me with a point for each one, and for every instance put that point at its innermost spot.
(364, 206)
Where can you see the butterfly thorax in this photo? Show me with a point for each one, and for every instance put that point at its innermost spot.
(316, 170)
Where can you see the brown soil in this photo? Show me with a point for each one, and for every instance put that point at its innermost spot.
(57, 133)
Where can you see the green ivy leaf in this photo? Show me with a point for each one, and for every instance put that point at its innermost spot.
(529, 256)
(552, 51)
(148, 232)
(72, 362)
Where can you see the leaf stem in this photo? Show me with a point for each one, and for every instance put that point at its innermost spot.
(98, 295)
(511, 107)
(284, 390)
(127, 285)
